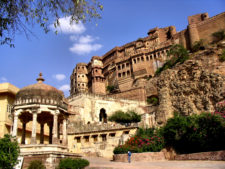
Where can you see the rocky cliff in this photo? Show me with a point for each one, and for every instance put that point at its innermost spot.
(193, 87)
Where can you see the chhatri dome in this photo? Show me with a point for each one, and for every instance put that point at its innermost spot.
(40, 93)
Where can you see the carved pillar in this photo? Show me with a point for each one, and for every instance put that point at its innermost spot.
(42, 133)
(33, 134)
(50, 133)
(64, 141)
(15, 124)
(55, 139)
(23, 133)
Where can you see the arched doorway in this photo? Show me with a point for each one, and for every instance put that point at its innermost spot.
(103, 116)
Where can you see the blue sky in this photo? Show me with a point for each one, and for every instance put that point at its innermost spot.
(122, 21)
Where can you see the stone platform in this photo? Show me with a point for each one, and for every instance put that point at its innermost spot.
(50, 155)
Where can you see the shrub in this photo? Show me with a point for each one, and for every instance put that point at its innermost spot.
(153, 100)
(196, 133)
(180, 55)
(110, 89)
(36, 164)
(198, 45)
(218, 36)
(222, 56)
(69, 163)
(146, 140)
(128, 117)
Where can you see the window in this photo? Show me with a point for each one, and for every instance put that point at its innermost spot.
(78, 76)
(119, 67)
(78, 84)
(95, 138)
(78, 67)
(138, 59)
(151, 57)
(123, 66)
(128, 73)
(78, 139)
(86, 138)
(147, 58)
(142, 59)
(96, 70)
(134, 60)
(104, 137)
(82, 84)
(119, 74)
(82, 67)
(124, 74)
(82, 75)
(126, 132)
(112, 134)
(127, 64)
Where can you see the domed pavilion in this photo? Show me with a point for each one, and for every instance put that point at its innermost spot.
(44, 107)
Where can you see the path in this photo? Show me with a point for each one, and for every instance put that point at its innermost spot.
(102, 163)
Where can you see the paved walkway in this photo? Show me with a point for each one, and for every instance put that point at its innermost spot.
(102, 163)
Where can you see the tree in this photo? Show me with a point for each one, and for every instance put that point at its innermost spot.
(9, 152)
(16, 15)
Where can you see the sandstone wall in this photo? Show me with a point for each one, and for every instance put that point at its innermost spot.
(191, 88)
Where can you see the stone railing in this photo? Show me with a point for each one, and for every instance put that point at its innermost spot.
(103, 97)
(95, 127)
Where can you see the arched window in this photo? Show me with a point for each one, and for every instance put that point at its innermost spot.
(103, 116)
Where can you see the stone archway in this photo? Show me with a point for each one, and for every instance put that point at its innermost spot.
(103, 115)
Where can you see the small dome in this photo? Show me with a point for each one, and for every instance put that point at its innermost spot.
(40, 93)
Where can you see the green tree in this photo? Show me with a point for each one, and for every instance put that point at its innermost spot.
(16, 15)
(9, 152)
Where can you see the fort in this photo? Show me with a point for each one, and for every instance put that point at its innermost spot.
(123, 67)
(49, 126)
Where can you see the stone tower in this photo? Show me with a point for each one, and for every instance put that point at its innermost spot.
(97, 77)
(79, 80)
(192, 26)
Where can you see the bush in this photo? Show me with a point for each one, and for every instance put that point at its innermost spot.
(196, 133)
(218, 36)
(153, 100)
(9, 152)
(180, 55)
(36, 164)
(69, 163)
(110, 89)
(128, 117)
(198, 45)
(146, 140)
(222, 56)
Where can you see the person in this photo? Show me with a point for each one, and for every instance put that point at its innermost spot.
(129, 156)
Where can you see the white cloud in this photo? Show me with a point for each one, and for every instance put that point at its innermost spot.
(3, 79)
(59, 77)
(67, 27)
(82, 49)
(85, 45)
(86, 39)
(65, 87)
(73, 37)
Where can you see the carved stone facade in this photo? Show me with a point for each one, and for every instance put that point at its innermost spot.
(122, 66)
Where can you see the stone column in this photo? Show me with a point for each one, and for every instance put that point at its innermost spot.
(23, 133)
(64, 141)
(50, 133)
(15, 124)
(33, 134)
(42, 133)
(55, 139)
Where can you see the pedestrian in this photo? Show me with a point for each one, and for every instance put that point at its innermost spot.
(129, 156)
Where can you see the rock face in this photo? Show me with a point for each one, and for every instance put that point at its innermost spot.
(190, 88)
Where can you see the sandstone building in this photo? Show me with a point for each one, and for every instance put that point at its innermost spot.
(122, 67)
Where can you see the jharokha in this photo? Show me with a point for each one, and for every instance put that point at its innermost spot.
(49, 126)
